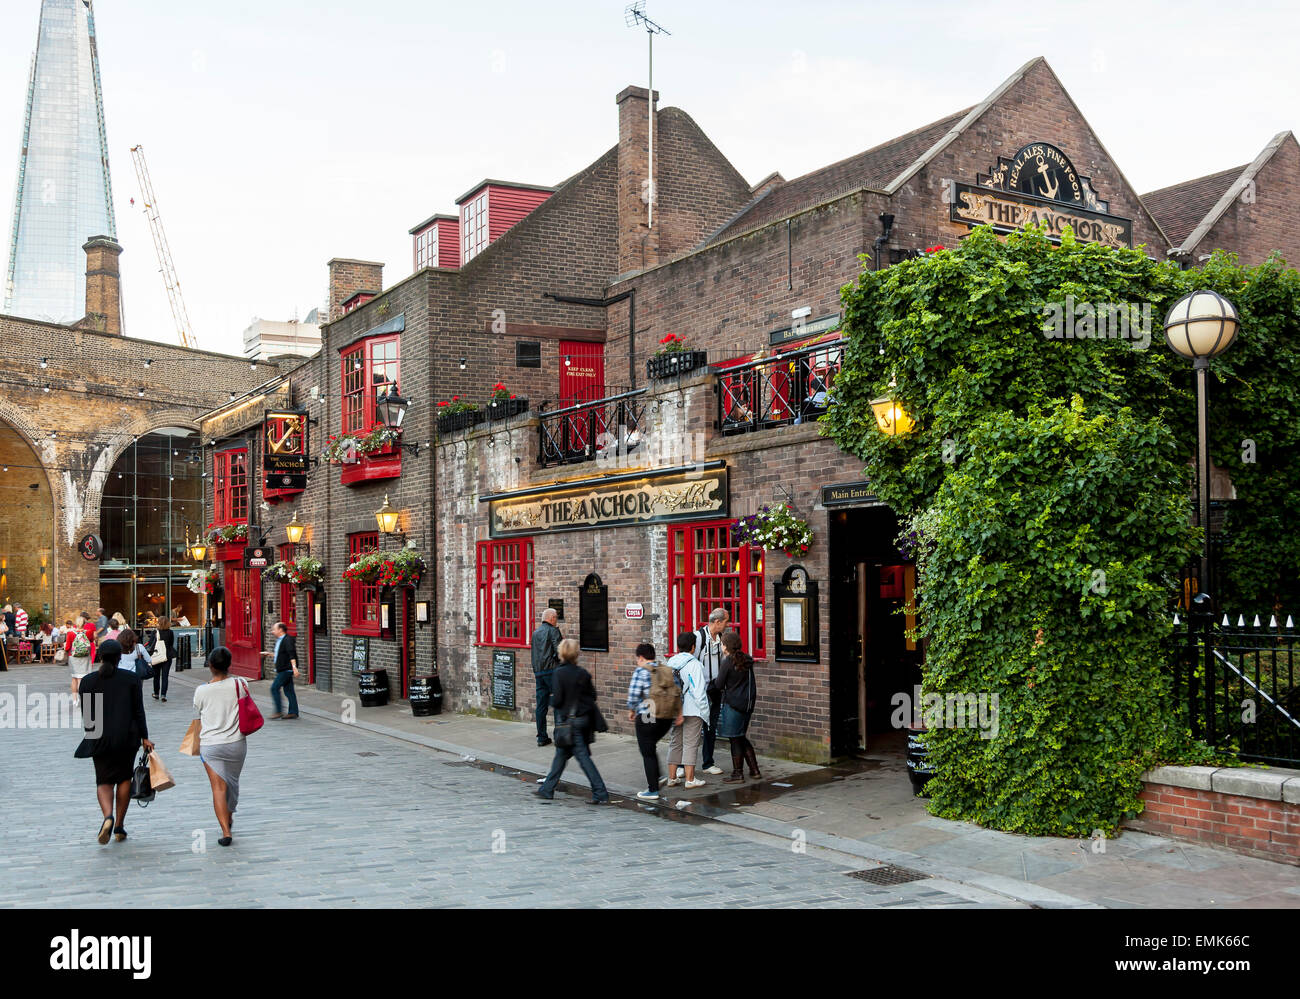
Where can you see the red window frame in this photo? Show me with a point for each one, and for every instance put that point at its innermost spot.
(230, 486)
(373, 363)
(364, 598)
(505, 610)
(706, 570)
(288, 596)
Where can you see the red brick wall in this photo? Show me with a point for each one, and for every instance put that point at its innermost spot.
(1254, 826)
(1267, 218)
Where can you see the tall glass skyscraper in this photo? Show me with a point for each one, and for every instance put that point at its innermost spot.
(63, 195)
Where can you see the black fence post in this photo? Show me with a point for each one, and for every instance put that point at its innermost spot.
(1209, 678)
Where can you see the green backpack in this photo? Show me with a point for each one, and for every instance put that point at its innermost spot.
(665, 696)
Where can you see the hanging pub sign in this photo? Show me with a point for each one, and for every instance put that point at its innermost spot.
(284, 451)
(91, 547)
(798, 625)
(681, 494)
(593, 615)
(258, 558)
(1039, 186)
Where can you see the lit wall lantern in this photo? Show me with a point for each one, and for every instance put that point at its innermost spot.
(891, 417)
(294, 530)
(386, 517)
(1202, 324)
(391, 408)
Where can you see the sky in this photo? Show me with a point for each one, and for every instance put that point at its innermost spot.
(281, 133)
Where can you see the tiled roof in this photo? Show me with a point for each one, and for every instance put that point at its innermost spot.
(1179, 209)
(874, 168)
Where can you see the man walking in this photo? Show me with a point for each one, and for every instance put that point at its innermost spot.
(708, 650)
(286, 668)
(546, 656)
(652, 720)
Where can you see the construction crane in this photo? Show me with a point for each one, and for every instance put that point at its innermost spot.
(165, 265)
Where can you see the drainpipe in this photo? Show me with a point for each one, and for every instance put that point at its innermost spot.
(602, 303)
(887, 230)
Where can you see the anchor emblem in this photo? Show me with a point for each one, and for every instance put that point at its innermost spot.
(1050, 189)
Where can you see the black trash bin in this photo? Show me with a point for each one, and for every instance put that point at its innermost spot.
(372, 685)
(184, 652)
(426, 696)
(919, 768)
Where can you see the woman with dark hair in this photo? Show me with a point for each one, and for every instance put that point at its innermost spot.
(113, 712)
(735, 681)
(168, 640)
(222, 747)
(135, 658)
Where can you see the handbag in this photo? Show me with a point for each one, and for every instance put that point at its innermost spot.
(60, 655)
(141, 790)
(159, 655)
(143, 668)
(160, 778)
(250, 719)
(190, 744)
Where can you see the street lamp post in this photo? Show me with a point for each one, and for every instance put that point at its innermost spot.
(1200, 326)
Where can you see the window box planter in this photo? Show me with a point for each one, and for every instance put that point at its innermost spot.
(503, 409)
(449, 423)
(677, 362)
(386, 463)
(225, 551)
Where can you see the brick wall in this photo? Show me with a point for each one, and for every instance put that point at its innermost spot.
(1254, 826)
(1265, 218)
(347, 277)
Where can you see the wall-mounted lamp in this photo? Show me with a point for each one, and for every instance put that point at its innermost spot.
(294, 530)
(386, 517)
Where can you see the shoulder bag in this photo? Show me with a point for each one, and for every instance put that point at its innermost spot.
(143, 667)
(250, 718)
(142, 791)
(159, 655)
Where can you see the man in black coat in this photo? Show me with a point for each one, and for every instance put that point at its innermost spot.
(575, 702)
(286, 668)
(546, 657)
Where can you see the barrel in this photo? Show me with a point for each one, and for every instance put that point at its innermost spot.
(919, 769)
(372, 685)
(426, 696)
(184, 652)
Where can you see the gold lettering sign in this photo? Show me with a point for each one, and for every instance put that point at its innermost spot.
(1005, 212)
(650, 499)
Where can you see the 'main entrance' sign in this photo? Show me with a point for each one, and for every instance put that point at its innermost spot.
(650, 499)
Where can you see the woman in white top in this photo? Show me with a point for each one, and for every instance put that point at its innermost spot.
(222, 747)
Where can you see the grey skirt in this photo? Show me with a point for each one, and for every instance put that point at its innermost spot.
(227, 762)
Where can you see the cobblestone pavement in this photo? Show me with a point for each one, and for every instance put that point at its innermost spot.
(332, 815)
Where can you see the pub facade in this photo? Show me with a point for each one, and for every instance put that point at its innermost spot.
(614, 492)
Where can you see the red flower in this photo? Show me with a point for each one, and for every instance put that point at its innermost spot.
(669, 338)
(933, 249)
(455, 398)
(443, 403)
(512, 397)
(498, 387)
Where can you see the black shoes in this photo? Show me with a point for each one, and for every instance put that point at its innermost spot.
(545, 797)
(226, 840)
(597, 801)
(105, 830)
(119, 833)
(544, 741)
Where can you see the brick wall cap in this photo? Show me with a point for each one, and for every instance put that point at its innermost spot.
(632, 90)
(1251, 783)
(1291, 791)
(107, 242)
(1197, 778)
(351, 260)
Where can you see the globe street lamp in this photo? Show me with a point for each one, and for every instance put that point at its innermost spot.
(1200, 326)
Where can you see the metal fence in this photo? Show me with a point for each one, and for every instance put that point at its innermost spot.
(1236, 682)
(585, 431)
(775, 391)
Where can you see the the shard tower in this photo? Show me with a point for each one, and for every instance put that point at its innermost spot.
(63, 195)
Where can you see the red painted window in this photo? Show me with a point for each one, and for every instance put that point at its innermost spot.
(288, 598)
(707, 570)
(230, 486)
(365, 596)
(505, 591)
(370, 369)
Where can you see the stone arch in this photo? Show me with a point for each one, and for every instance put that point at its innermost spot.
(115, 443)
(28, 518)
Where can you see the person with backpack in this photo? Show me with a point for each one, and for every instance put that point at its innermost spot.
(708, 650)
(737, 686)
(684, 741)
(654, 703)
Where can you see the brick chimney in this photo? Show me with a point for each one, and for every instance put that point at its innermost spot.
(348, 278)
(103, 286)
(638, 243)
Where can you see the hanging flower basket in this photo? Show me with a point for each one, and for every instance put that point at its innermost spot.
(401, 568)
(348, 449)
(775, 528)
(202, 581)
(301, 572)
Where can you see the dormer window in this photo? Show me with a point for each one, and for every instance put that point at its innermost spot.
(473, 227)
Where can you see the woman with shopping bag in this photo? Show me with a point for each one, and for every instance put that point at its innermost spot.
(112, 709)
(226, 715)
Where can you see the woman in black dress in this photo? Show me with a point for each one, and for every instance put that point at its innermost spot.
(112, 709)
(168, 639)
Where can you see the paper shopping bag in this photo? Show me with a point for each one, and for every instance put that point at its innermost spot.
(190, 744)
(160, 778)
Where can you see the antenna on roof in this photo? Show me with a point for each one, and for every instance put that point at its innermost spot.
(635, 16)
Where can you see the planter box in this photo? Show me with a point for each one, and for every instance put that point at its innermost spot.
(677, 362)
(449, 423)
(503, 409)
(385, 464)
(224, 551)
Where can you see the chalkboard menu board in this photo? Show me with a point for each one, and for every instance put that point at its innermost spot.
(593, 615)
(503, 679)
(360, 654)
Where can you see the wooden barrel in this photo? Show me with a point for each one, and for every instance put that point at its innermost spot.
(426, 696)
(372, 685)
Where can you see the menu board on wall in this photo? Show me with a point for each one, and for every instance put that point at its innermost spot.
(503, 679)
(360, 654)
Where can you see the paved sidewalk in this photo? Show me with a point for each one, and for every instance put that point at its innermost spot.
(865, 809)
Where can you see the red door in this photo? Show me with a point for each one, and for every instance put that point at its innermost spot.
(244, 617)
(582, 379)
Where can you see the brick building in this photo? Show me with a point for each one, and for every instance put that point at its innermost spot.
(613, 492)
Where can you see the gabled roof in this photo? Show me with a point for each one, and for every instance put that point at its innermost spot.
(1188, 211)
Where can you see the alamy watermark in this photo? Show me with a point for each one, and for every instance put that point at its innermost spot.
(1073, 320)
(955, 710)
(39, 709)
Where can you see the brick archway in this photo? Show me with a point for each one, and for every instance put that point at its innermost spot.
(28, 526)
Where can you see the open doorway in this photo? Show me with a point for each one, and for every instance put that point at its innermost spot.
(871, 657)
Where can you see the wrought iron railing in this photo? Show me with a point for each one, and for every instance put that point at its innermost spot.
(775, 391)
(1237, 684)
(589, 430)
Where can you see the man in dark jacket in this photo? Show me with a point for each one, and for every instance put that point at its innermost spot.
(546, 656)
(575, 699)
(286, 668)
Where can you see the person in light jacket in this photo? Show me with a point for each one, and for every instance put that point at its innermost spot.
(685, 738)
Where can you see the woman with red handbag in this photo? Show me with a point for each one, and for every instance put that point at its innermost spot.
(227, 715)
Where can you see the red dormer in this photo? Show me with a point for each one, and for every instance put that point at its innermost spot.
(490, 208)
(436, 242)
(359, 299)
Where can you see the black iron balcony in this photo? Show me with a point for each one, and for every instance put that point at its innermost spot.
(775, 391)
(590, 430)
